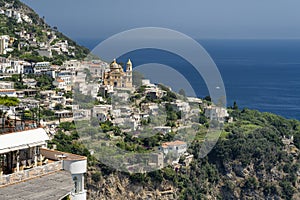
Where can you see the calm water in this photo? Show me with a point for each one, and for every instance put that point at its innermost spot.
(258, 74)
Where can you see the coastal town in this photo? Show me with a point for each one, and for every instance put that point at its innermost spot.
(39, 93)
(100, 94)
(114, 98)
(76, 127)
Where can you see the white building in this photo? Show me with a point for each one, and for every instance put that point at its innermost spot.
(194, 100)
(34, 171)
(181, 106)
(4, 42)
(101, 112)
(9, 12)
(97, 68)
(59, 83)
(18, 17)
(42, 67)
(8, 92)
(18, 66)
(26, 18)
(68, 76)
(30, 82)
(82, 114)
(72, 64)
(176, 148)
(56, 99)
(4, 63)
(6, 85)
(89, 89)
(216, 113)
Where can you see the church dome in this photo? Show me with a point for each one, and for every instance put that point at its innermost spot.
(114, 64)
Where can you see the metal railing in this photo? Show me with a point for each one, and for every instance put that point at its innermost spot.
(30, 173)
(18, 128)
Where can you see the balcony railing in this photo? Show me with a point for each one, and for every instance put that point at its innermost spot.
(30, 173)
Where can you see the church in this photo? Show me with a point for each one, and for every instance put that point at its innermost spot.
(117, 77)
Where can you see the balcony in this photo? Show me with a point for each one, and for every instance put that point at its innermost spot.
(13, 124)
(30, 173)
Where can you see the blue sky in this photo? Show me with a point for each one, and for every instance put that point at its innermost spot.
(99, 19)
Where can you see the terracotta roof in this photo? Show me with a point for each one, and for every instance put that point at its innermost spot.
(7, 90)
(60, 80)
(94, 65)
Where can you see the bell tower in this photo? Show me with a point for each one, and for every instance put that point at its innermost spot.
(129, 66)
(129, 74)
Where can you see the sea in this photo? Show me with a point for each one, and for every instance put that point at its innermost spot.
(258, 74)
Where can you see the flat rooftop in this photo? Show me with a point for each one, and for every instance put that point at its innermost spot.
(52, 186)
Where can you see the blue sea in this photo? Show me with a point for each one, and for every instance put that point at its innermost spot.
(258, 74)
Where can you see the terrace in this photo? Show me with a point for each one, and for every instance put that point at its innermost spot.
(20, 150)
(18, 121)
(27, 174)
(46, 162)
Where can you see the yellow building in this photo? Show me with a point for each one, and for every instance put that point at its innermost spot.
(117, 77)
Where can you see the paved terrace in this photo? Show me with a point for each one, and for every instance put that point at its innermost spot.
(52, 186)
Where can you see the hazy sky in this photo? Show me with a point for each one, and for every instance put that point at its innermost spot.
(99, 19)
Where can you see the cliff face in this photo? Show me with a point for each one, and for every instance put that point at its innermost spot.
(119, 186)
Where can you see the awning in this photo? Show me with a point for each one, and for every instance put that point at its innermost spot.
(22, 140)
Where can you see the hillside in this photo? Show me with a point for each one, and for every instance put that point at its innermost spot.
(251, 161)
(257, 157)
(30, 38)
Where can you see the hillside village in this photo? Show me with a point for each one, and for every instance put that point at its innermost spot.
(111, 98)
(43, 97)
(45, 84)
(61, 111)
(24, 34)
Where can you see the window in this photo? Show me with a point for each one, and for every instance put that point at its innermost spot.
(75, 184)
